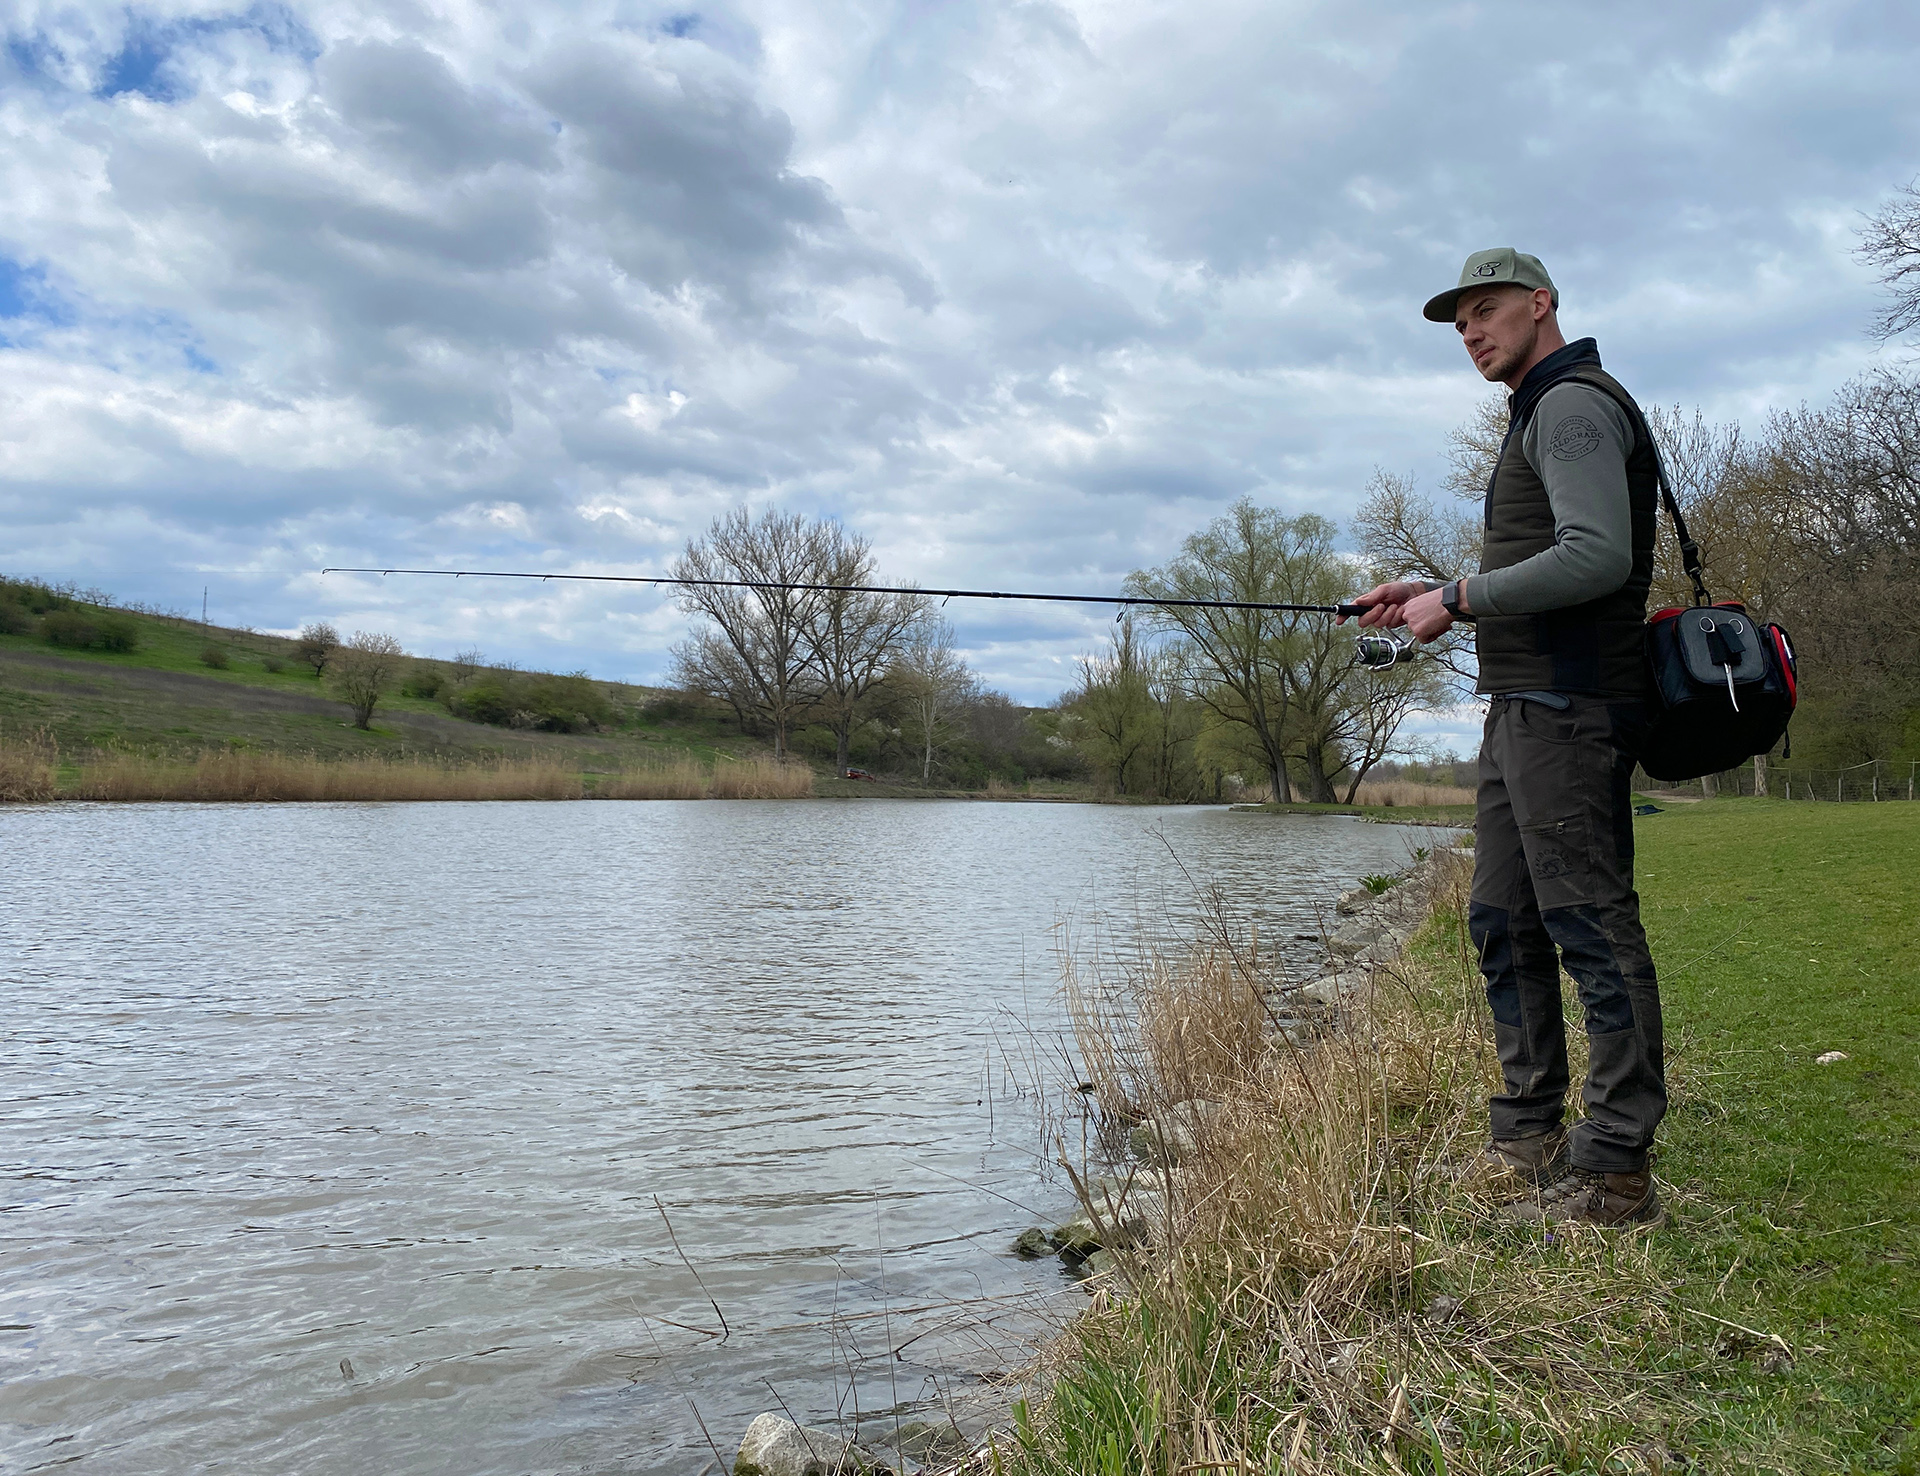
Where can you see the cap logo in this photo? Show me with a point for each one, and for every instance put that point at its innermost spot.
(1487, 269)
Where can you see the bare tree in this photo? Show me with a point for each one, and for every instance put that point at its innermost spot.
(1474, 447)
(851, 636)
(766, 626)
(1890, 241)
(708, 663)
(316, 644)
(365, 670)
(935, 686)
(466, 664)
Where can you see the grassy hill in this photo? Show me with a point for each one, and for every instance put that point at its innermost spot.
(162, 697)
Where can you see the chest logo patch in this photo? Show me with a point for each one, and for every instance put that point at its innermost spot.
(1574, 437)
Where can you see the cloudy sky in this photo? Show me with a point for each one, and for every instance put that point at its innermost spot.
(1023, 292)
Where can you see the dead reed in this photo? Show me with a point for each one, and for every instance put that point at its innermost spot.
(1402, 793)
(1324, 1295)
(276, 777)
(761, 778)
(28, 769)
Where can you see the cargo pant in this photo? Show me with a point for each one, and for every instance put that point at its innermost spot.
(1553, 866)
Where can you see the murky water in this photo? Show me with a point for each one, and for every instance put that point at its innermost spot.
(348, 1138)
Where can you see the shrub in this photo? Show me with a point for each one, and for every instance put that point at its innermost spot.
(552, 704)
(424, 682)
(485, 701)
(273, 663)
(69, 628)
(34, 597)
(117, 633)
(215, 656)
(15, 618)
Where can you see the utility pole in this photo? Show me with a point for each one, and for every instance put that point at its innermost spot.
(203, 606)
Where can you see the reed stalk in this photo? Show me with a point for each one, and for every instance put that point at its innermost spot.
(30, 771)
(1324, 1295)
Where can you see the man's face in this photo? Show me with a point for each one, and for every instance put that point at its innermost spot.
(1500, 326)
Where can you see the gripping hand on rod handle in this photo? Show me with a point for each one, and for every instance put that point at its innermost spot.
(1405, 602)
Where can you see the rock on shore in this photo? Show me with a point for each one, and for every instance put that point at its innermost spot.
(775, 1446)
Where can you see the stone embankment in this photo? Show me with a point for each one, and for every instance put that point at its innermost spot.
(1129, 1210)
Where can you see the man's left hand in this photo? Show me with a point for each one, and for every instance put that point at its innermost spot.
(1427, 619)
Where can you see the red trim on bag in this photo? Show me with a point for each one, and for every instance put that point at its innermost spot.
(1786, 664)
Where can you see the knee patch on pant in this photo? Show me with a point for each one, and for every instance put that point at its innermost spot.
(1492, 939)
(1590, 959)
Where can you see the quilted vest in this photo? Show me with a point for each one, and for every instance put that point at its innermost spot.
(1597, 647)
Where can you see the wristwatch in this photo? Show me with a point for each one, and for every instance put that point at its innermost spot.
(1451, 599)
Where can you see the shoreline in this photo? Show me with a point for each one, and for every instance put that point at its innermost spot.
(1125, 1209)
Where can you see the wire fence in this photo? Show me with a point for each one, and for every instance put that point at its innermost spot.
(1870, 782)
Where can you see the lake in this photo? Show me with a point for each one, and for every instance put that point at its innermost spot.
(342, 1138)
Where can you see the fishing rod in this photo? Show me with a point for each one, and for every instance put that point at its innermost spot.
(1375, 651)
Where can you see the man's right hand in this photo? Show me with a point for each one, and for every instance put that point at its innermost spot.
(1387, 603)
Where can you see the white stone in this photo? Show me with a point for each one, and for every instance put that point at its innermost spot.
(775, 1446)
(1831, 1058)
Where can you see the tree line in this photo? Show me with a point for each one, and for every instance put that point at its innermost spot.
(1184, 704)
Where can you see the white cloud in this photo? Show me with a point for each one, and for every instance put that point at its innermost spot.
(1024, 291)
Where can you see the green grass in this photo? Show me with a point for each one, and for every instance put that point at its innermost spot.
(161, 698)
(1773, 1324)
(1784, 931)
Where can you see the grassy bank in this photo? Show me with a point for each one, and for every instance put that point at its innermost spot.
(31, 773)
(161, 697)
(1331, 1300)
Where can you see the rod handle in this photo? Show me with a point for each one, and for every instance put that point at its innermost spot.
(1348, 612)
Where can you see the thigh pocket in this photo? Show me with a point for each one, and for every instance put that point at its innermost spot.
(1560, 861)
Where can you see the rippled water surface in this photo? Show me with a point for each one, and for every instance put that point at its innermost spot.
(347, 1138)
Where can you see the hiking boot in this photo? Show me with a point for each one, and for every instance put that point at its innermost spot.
(1516, 1165)
(1594, 1199)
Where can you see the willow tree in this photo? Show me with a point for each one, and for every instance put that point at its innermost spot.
(1242, 663)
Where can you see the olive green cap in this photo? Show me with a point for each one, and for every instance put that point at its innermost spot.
(1490, 269)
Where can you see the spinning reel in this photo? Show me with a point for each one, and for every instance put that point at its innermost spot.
(1380, 652)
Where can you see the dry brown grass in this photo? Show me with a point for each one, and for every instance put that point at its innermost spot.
(1396, 793)
(28, 767)
(1326, 1297)
(261, 777)
(1401, 793)
(760, 779)
(30, 771)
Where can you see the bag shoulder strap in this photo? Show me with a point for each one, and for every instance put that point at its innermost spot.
(1689, 550)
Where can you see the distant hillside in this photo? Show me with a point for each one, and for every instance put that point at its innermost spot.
(91, 675)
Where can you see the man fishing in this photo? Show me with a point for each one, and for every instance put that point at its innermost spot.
(1558, 608)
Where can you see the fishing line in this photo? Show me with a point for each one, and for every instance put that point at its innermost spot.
(1375, 651)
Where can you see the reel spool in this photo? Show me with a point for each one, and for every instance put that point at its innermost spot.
(1381, 652)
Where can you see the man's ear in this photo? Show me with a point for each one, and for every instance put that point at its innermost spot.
(1542, 304)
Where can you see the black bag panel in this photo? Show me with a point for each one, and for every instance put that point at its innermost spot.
(1700, 726)
(1716, 640)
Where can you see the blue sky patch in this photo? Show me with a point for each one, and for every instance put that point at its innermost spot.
(142, 64)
